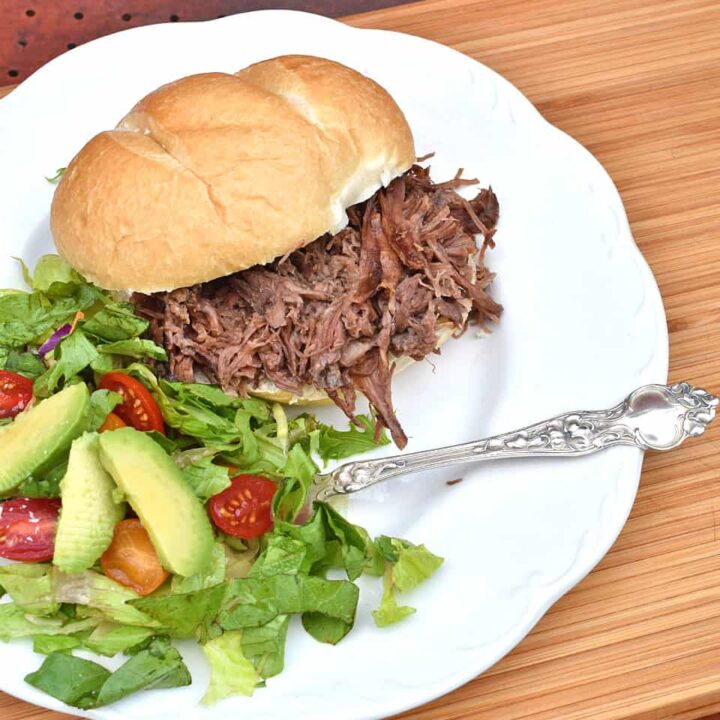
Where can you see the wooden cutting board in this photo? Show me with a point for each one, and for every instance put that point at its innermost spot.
(638, 83)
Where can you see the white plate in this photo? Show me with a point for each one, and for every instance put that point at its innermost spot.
(583, 325)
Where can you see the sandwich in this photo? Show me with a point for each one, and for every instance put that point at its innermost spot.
(276, 229)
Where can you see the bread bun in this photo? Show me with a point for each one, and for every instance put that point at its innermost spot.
(215, 173)
(312, 395)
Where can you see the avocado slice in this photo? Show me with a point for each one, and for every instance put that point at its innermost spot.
(89, 511)
(34, 441)
(175, 519)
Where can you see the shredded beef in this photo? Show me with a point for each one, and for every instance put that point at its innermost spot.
(335, 313)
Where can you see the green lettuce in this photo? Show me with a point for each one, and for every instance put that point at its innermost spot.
(115, 322)
(187, 615)
(231, 673)
(264, 646)
(134, 348)
(298, 472)
(25, 363)
(30, 587)
(282, 556)
(389, 611)
(86, 685)
(15, 623)
(252, 602)
(72, 355)
(47, 485)
(70, 679)
(406, 566)
(54, 277)
(104, 597)
(331, 542)
(333, 444)
(189, 413)
(48, 644)
(110, 638)
(26, 318)
(204, 476)
(159, 665)
(102, 403)
(214, 576)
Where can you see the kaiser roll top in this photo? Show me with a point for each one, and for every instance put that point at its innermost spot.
(215, 173)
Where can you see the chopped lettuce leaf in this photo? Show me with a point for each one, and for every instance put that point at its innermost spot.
(411, 564)
(281, 423)
(187, 615)
(214, 576)
(354, 541)
(30, 587)
(240, 556)
(415, 564)
(116, 321)
(110, 638)
(106, 363)
(70, 679)
(102, 595)
(337, 444)
(324, 628)
(134, 348)
(389, 611)
(313, 533)
(406, 566)
(26, 317)
(231, 673)
(203, 475)
(14, 623)
(102, 403)
(265, 646)
(25, 363)
(299, 473)
(46, 486)
(48, 644)
(72, 355)
(252, 602)
(282, 556)
(85, 684)
(213, 396)
(331, 541)
(54, 277)
(184, 414)
(25, 270)
(160, 665)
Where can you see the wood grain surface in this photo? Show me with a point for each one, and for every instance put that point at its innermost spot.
(637, 83)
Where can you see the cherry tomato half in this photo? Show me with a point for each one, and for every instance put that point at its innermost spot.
(16, 392)
(112, 422)
(244, 509)
(27, 529)
(138, 407)
(131, 559)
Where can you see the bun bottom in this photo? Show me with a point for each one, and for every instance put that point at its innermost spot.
(314, 396)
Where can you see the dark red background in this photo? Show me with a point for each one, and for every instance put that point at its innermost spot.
(33, 32)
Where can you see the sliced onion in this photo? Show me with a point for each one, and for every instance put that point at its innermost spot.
(50, 344)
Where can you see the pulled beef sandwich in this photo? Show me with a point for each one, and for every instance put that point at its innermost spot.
(274, 228)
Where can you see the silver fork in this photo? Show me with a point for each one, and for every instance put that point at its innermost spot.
(653, 417)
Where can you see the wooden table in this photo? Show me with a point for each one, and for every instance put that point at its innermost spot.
(638, 83)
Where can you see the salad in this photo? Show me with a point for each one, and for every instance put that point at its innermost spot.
(136, 510)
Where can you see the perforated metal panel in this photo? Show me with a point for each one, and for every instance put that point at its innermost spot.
(33, 32)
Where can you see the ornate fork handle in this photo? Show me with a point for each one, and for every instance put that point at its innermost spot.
(656, 417)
